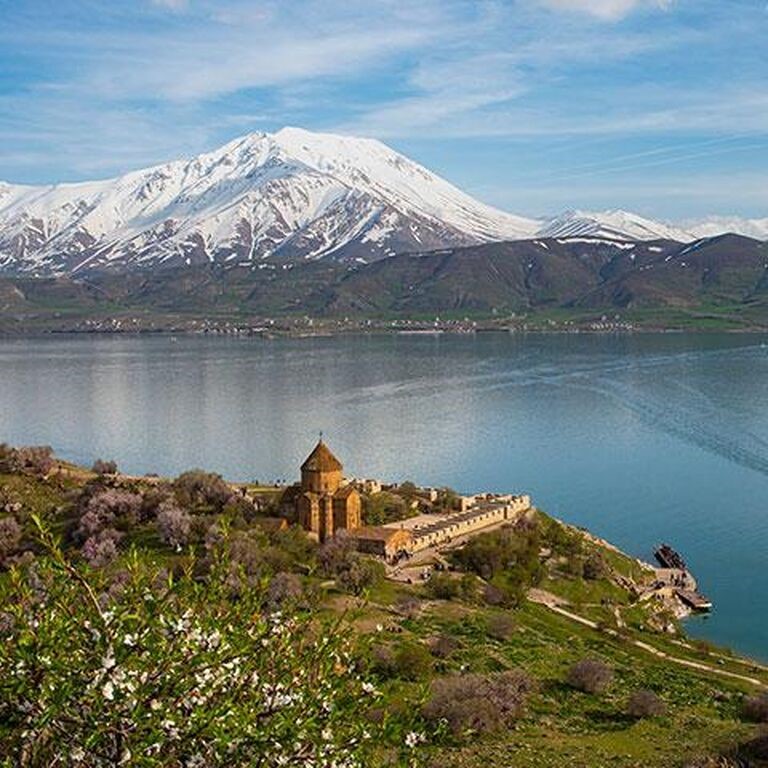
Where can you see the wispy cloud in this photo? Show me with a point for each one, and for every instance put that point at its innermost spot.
(91, 88)
(607, 10)
(172, 5)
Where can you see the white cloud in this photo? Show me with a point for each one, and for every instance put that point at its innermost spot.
(224, 48)
(607, 10)
(172, 5)
(443, 91)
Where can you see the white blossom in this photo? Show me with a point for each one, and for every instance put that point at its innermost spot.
(413, 739)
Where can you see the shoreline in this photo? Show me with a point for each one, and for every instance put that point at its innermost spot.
(368, 331)
(643, 592)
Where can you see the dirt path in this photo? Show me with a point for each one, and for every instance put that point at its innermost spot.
(555, 604)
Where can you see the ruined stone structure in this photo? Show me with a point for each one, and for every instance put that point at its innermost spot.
(324, 503)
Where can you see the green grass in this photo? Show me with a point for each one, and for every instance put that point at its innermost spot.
(562, 726)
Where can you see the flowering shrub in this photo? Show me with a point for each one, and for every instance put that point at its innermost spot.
(174, 524)
(32, 460)
(645, 703)
(197, 487)
(590, 676)
(101, 548)
(103, 467)
(479, 702)
(144, 668)
(106, 506)
(10, 536)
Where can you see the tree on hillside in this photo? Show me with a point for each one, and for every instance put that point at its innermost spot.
(155, 669)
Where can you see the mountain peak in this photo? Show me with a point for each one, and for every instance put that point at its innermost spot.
(615, 224)
(290, 195)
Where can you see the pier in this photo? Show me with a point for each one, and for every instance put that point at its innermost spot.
(675, 581)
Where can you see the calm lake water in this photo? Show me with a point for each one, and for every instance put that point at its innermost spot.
(640, 438)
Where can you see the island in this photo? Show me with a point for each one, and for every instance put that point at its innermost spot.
(343, 620)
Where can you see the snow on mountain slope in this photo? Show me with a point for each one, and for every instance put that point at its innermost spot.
(719, 225)
(611, 225)
(289, 195)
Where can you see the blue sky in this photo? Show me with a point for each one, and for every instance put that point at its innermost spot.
(658, 106)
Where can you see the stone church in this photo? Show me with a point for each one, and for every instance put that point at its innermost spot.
(324, 504)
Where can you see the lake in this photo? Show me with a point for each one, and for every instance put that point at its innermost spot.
(642, 438)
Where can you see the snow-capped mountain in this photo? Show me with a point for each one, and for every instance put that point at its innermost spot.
(611, 225)
(718, 225)
(289, 195)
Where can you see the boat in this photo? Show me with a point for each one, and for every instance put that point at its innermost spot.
(669, 558)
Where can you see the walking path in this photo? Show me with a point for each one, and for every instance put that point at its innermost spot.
(555, 604)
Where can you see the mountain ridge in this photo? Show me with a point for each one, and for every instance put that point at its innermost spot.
(288, 197)
(722, 280)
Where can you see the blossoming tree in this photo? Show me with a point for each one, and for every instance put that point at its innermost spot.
(134, 666)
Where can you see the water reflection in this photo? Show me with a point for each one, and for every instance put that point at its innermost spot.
(642, 438)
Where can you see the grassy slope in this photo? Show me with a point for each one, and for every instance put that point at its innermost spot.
(562, 726)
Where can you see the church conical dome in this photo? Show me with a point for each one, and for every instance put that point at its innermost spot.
(321, 460)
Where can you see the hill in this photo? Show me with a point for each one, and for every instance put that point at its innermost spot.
(662, 283)
(531, 651)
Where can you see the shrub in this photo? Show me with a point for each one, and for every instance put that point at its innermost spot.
(645, 703)
(408, 661)
(335, 555)
(595, 566)
(176, 672)
(361, 574)
(246, 554)
(152, 499)
(442, 586)
(590, 676)
(478, 702)
(10, 537)
(284, 588)
(354, 573)
(383, 660)
(174, 524)
(469, 587)
(7, 458)
(298, 547)
(755, 708)
(100, 549)
(755, 750)
(33, 460)
(239, 510)
(105, 507)
(199, 488)
(501, 626)
(102, 467)
(443, 646)
(412, 661)
(507, 589)
(408, 606)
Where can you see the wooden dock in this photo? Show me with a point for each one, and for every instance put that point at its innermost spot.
(694, 600)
